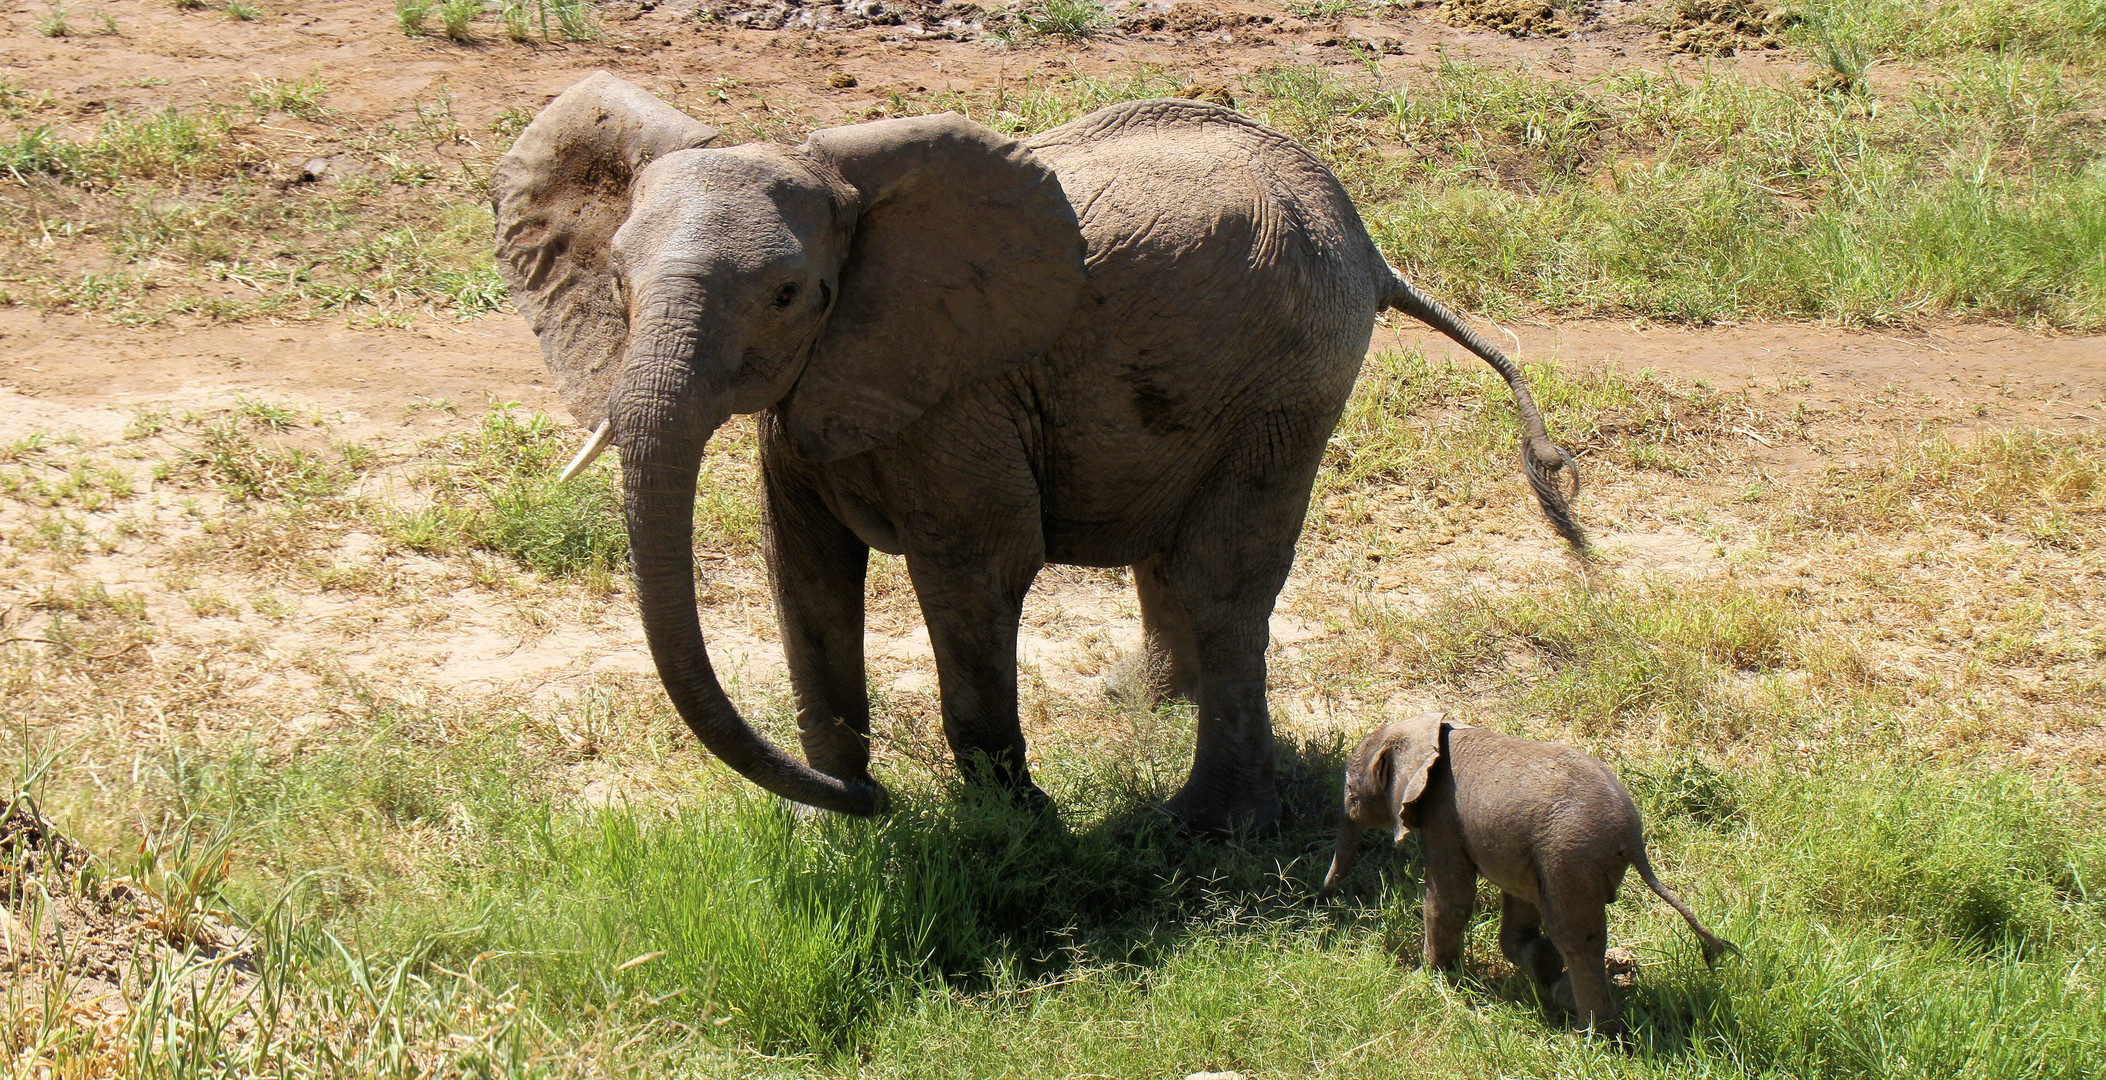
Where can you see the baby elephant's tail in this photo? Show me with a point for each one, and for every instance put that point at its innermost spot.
(1541, 459)
(1712, 943)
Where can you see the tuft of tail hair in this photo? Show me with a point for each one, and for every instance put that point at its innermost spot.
(1713, 945)
(1541, 459)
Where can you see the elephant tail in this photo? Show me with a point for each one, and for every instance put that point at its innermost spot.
(1541, 459)
(1713, 945)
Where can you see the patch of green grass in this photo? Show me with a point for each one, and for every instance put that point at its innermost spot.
(249, 471)
(1445, 433)
(411, 16)
(1066, 20)
(1685, 665)
(167, 145)
(1897, 921)
(456, 16)
(1707, 199)
(300, 97)
(499, 492)
(2049, 484)
(80, 483)
(52, 24)
(2072, 31)
(580, 19)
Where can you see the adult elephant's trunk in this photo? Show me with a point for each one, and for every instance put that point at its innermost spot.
(662, 421)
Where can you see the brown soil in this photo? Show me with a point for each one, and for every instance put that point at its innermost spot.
(1726, 27)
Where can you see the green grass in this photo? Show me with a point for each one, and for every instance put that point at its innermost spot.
(176, 214)
(456, 16)
(411, 15)
(1069, 20)
(498, 492)
(1716, 198)
(2071, 31)
(1884, 937)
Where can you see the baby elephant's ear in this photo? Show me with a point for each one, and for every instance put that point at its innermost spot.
(1412, 753)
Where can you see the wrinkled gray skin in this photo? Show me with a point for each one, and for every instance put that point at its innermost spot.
(1550, 826)
(1122, 345)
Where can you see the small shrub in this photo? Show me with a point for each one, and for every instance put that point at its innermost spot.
(517, 20)
(411, 16)
(1068, 20)
(455, 16)
(243, 11)
(53, 24)
(298, 97)
(579, 19)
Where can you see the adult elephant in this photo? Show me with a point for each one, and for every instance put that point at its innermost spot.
(1123, 343)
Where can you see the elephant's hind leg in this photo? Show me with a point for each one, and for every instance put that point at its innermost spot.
(1233, 784)
(817, 565)
(1172, 651)
(1521, 940)
(1578, 923)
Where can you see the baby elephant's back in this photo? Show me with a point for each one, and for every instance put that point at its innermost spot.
(1535, 808)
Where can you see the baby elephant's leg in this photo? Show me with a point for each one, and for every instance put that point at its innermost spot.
(1451, 898)
(1580, 929)
(1521, 939)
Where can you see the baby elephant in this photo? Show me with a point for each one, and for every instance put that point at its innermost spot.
(1552, 827)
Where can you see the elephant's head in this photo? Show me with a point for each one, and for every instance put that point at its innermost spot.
(850, 282)
(1386, 774)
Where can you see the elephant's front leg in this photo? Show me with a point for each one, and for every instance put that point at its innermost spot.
(818, 566)
(971, 603)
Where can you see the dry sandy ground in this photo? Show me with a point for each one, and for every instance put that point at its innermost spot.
(67, 376)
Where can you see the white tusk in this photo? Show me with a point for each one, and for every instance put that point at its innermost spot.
(594, 447)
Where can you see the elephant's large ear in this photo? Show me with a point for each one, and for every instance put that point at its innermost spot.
(1412, 754)
(560, 194)
(966, 261)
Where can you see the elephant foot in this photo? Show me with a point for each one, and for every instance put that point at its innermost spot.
(1604, 1026)
(1206, 810)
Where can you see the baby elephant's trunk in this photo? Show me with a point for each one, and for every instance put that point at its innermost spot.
(1342, 860)
(1713, 945)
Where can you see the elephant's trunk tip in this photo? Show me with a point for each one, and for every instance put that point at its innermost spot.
(1342, 860)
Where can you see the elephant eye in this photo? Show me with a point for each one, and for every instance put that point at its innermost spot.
(786, 294)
